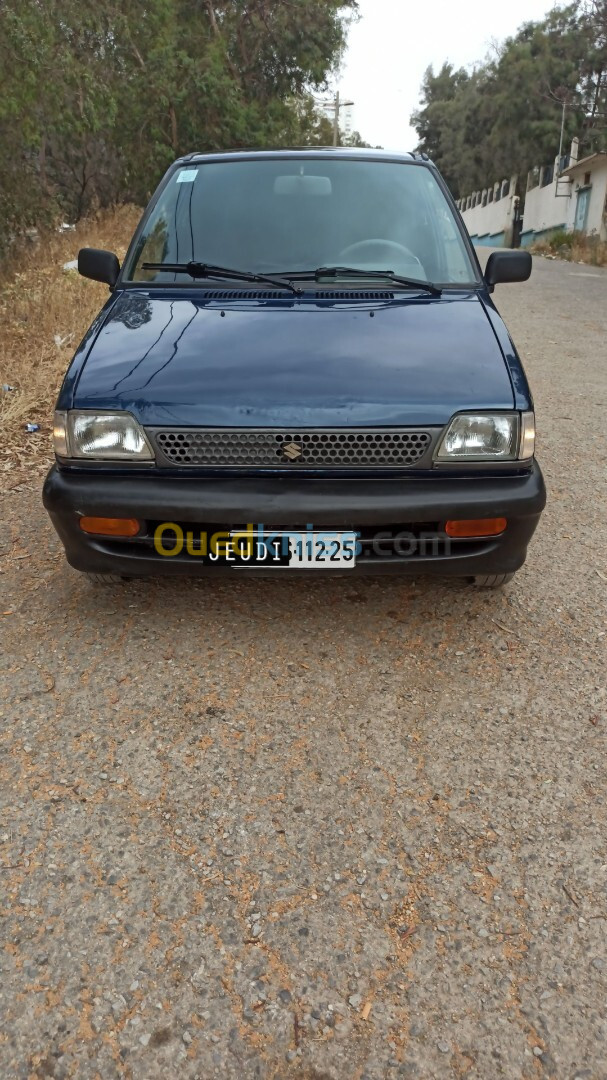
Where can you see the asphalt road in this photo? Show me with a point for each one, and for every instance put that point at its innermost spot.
(312, 829)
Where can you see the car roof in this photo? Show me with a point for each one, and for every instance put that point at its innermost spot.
(351, 152)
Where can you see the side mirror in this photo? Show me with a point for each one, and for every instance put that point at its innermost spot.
(99, 265)
(504, 266)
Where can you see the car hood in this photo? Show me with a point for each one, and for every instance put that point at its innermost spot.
(182, 358)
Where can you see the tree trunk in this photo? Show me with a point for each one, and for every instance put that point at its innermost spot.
(173, 119)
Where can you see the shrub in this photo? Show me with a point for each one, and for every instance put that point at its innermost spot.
(560, 241)
(589, 249)
(576, 246)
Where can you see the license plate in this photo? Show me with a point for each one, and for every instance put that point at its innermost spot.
(323, 551)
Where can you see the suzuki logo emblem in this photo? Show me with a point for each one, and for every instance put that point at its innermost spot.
(292, 451)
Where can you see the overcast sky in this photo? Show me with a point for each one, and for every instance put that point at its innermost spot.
(394, 42)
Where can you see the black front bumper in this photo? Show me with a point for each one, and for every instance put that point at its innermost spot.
(295, 503)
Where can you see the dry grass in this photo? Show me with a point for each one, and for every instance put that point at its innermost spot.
(44, 312)
(588, 249)
(574, 247)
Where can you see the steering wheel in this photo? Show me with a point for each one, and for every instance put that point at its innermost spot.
(369, 247)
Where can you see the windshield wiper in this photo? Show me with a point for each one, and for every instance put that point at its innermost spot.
(351, 271)
(207, 270)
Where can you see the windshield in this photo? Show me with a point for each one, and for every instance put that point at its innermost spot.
(280, 215)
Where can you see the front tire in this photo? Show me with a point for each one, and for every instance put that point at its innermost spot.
(492, 581)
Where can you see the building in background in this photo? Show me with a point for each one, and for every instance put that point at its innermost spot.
(346, 123)
(587, 211)
(346, 116)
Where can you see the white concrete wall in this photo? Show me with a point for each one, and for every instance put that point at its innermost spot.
(596, 222)
(545, 210)
(492, 223)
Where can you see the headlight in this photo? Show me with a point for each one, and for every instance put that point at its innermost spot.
(488, 437)
(101, 437)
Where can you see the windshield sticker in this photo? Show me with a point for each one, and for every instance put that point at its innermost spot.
(187, 176)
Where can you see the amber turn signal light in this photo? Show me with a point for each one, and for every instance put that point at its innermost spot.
(475, 527)
(103, 526)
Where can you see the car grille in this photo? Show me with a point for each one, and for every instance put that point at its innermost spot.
(361, 448)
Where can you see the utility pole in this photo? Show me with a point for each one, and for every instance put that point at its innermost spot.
(335, 105)
(562, 133)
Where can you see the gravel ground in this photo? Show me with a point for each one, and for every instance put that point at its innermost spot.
(318, 829)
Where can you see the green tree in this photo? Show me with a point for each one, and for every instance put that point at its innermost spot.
(593, 74)
(98, 99)
(505, 116)
(535, 73)
(434, 120)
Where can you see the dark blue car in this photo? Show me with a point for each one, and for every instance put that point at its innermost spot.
(299, 367)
